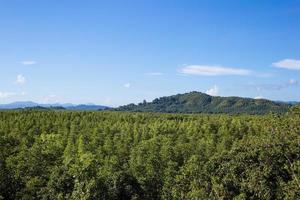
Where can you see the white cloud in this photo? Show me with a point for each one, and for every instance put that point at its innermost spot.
(274, 86)
(288, 64)
(212, 70)
(20, 79)
(4, 95)
(154, 74)
(263, 74)
(259, 97)
(293, 82)
(28, 62)
(214, 91)
(107, 100)
(127, 85)
(50, 98)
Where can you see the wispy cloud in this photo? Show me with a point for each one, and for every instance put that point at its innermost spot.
(28, 62)
(154, 74)
(259, 87)
(214, 91)
(127, 85)
(288, 64)
(50, 98)
(213, 70)
(4, 95)
(259, 97)
(21, 80)
(292, 82)
(262, 74)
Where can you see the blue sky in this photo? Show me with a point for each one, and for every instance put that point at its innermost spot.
(119, 52)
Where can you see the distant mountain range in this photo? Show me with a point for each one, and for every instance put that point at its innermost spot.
(67, 106)
(192, 102)
(197, 102)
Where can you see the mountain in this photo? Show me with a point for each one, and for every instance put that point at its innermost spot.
(19, 104)
(45, 108)
(197, 102)
(67, 106)
(86, 107)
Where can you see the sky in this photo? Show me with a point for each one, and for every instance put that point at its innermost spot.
(119, 52)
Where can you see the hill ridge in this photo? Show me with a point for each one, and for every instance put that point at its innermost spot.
(198, 102)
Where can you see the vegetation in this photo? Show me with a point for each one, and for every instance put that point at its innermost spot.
(197, 102)
(46, 154)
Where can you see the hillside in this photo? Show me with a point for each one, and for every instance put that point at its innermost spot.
(197, 102)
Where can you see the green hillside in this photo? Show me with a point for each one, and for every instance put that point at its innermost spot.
(197, 102)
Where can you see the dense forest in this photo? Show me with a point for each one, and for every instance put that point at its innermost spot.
(48, 154)
(197, 102)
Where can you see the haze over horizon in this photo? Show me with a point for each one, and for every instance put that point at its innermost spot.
(118, 52)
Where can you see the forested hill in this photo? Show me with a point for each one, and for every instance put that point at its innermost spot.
(197, 102)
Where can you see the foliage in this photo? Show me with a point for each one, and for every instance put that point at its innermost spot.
(196, 102)
(46, 154)
(295, 110)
